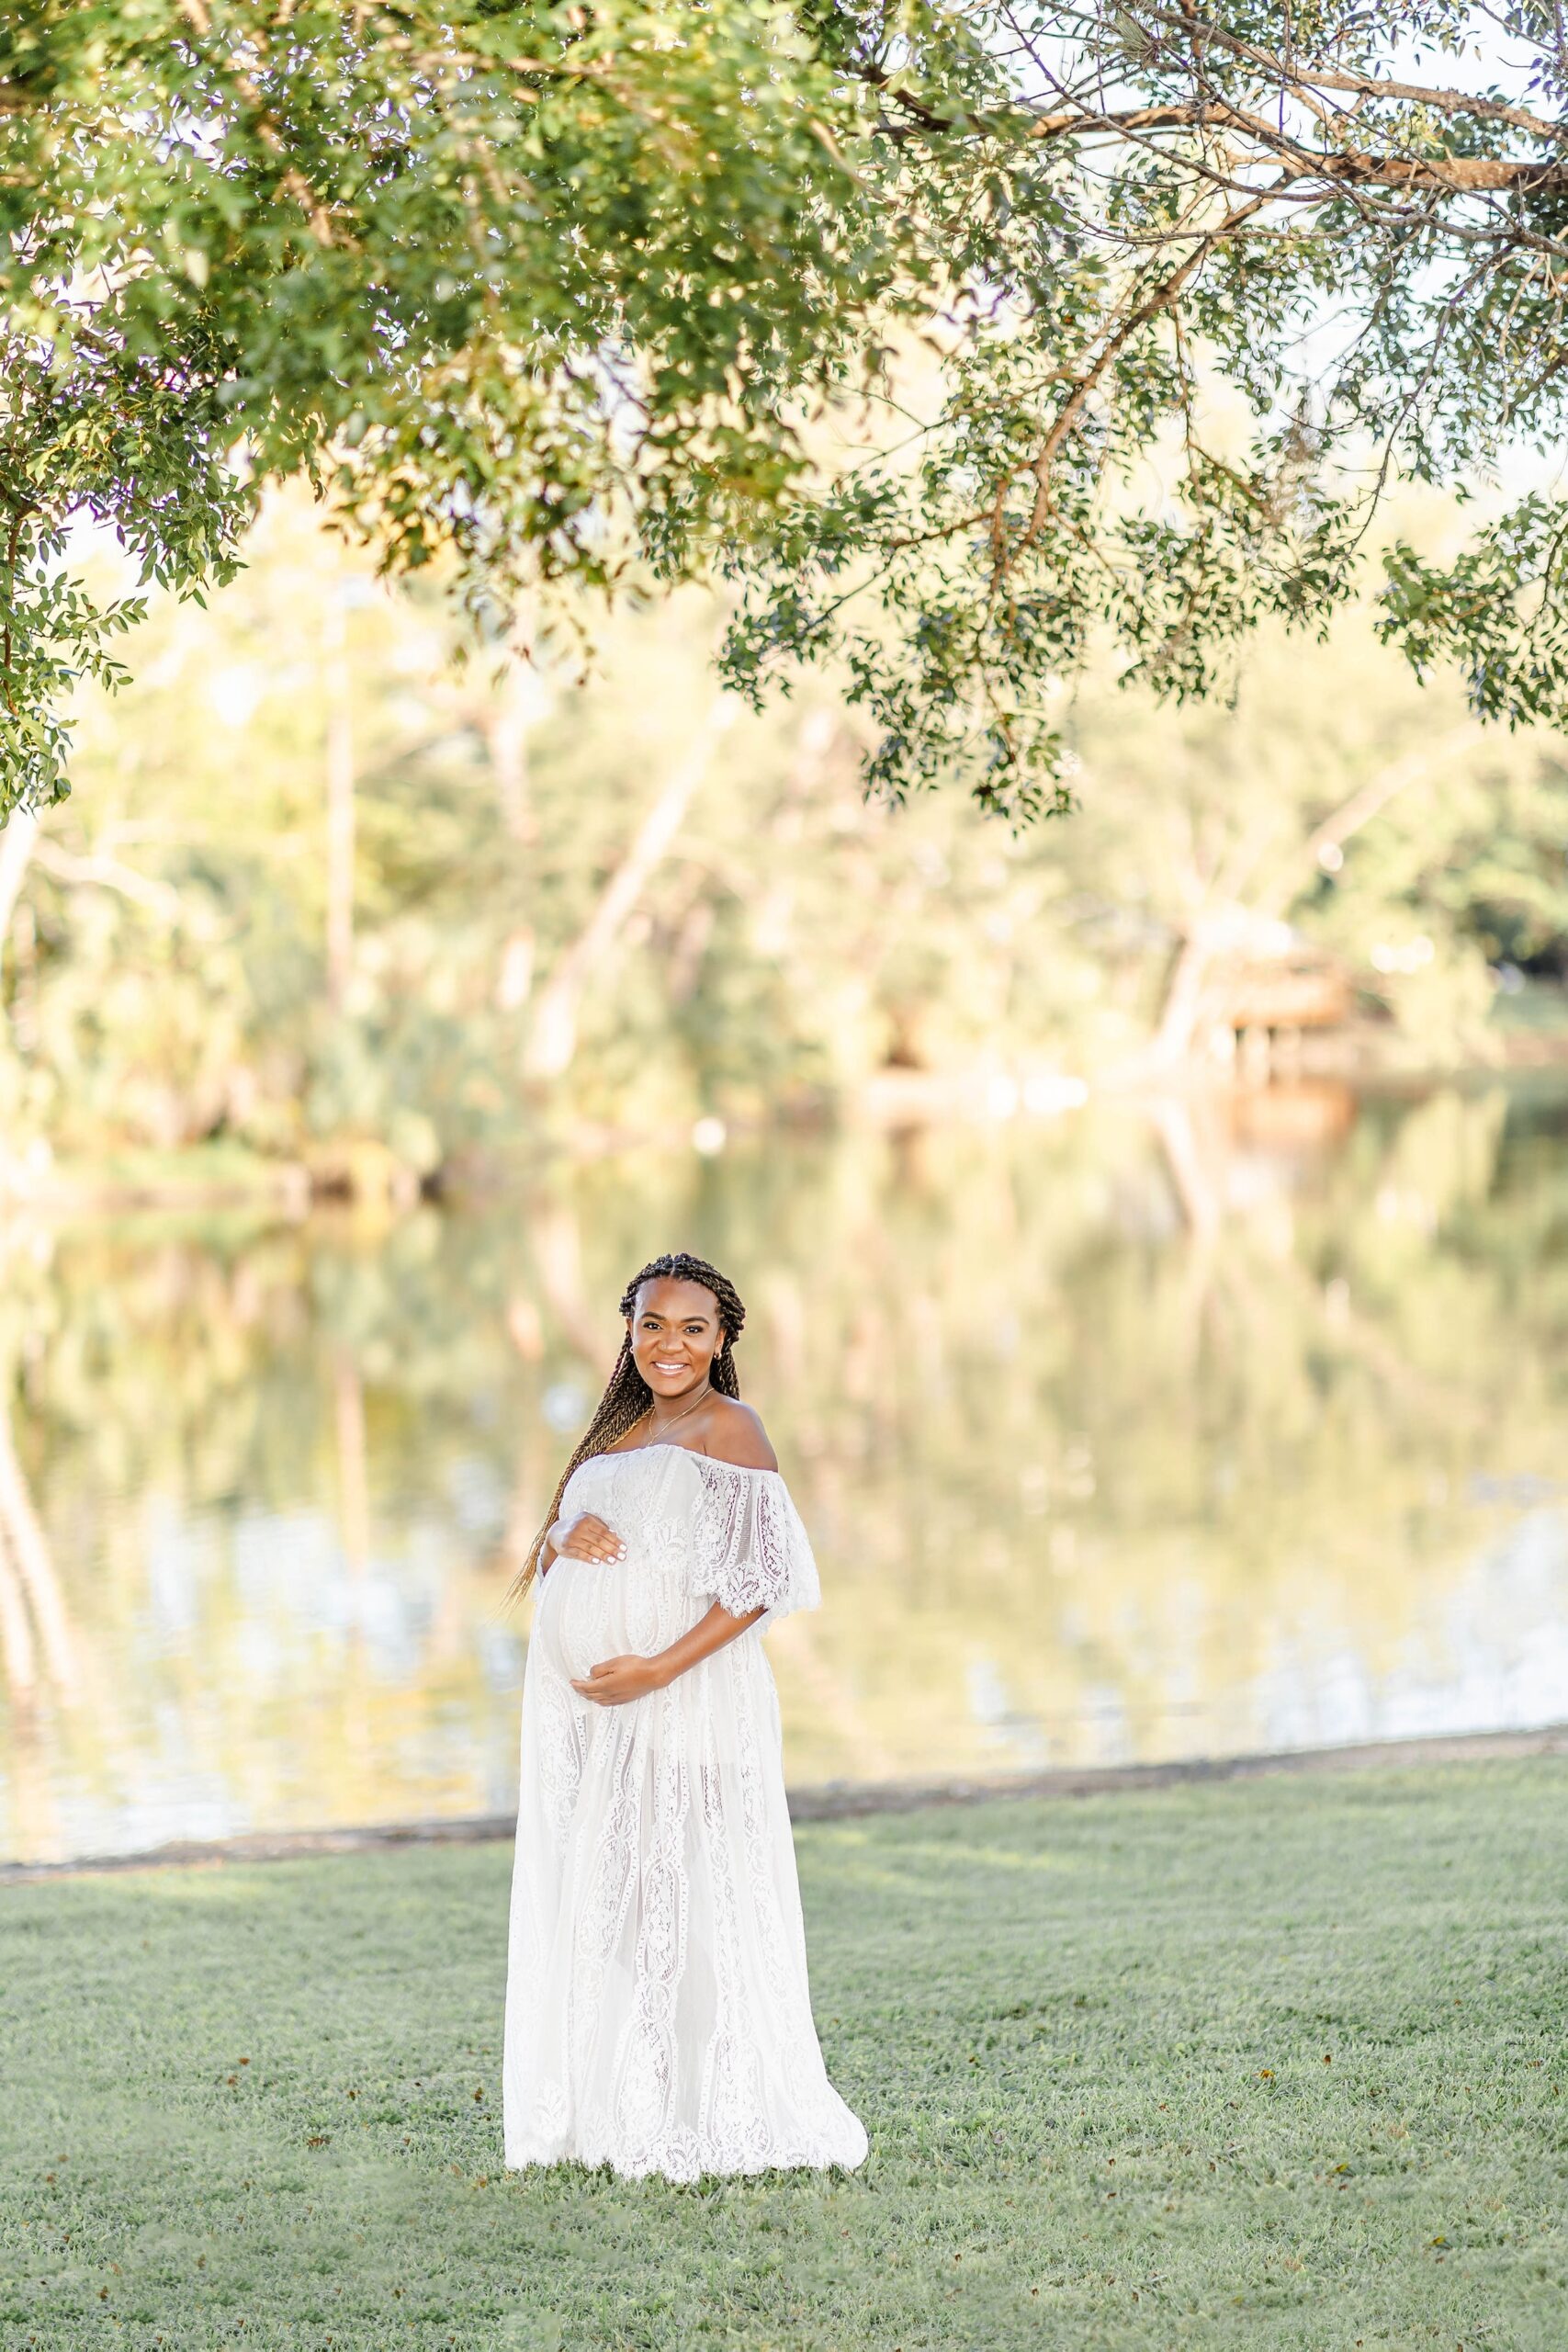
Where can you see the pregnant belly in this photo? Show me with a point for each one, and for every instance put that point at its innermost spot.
(591, 1609)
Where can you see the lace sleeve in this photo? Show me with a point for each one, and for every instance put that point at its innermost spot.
(750, 1550)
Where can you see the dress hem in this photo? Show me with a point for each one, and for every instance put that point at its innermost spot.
(684, 2176)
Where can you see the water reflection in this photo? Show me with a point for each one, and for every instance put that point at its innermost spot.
(1136, 1434)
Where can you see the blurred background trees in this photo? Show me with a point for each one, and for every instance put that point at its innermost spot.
(325, 900)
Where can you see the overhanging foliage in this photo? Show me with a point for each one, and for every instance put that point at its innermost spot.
(579, 294)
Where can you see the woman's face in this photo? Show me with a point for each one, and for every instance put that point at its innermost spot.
(676, 1333)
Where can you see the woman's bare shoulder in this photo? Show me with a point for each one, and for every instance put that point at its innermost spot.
(735, 1434)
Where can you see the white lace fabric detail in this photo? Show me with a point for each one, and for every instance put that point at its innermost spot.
(748, 1548)
(657, 2009)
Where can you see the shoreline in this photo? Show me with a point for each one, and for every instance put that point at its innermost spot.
(833, 1801)
(199, 1181)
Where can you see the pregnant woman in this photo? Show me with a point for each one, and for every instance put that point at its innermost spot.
(658, 2016)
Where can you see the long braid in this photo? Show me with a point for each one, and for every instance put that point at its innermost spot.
(627, 1395)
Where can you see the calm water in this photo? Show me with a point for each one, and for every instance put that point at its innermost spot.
(1120, 1436)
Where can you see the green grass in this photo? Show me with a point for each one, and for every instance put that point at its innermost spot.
(1277, 2064)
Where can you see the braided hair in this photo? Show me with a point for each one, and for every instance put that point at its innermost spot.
(627, 1395)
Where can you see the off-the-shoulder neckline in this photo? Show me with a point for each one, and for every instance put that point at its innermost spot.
(714, 1460)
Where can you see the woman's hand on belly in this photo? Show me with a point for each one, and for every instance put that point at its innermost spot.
(614, 1680)
(617, 1681)
(586, 1538)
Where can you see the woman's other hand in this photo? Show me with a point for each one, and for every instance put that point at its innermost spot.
(614, 1680)
(587, 1538)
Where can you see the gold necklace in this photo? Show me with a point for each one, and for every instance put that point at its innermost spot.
(651, 1415)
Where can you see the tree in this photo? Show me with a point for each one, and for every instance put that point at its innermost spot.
(513, 285)
(958, 337)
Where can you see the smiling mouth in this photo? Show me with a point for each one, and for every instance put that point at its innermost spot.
(670, 1367)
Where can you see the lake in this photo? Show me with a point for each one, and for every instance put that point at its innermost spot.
(1206, 1427)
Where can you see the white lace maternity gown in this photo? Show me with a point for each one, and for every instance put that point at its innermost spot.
(658, 2017)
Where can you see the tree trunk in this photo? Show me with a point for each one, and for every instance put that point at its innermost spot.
(340, 801)
(22, 1532)
(16, 1633)
(353, 1474)
(1174, 1039)
(1216, 928)
(16, 838)
(1325, 848)
(519, 706)
(552, 1036)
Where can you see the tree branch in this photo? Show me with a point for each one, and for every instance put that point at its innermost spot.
(1457, 174)
(1160, 300)
(1366, 85)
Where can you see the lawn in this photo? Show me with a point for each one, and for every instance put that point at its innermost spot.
(1277, 2063)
